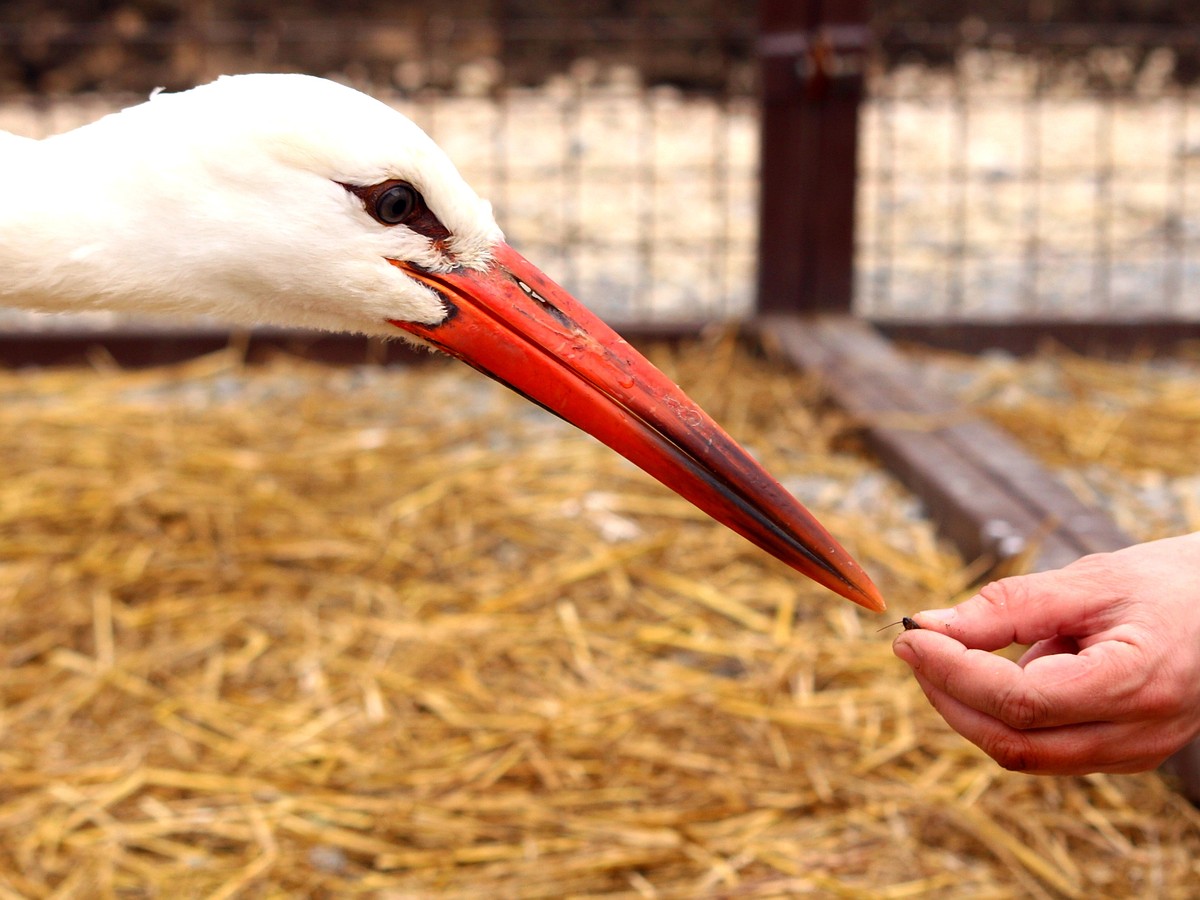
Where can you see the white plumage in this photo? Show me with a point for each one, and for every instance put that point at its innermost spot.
(229, 200)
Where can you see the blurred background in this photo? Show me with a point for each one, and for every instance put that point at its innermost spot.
(1033, 158)
(286, 629)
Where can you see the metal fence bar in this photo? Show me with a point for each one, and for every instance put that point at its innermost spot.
(959, 188)
(1102, 262)
(1032, 215)
(1175, 246)
(812, 75)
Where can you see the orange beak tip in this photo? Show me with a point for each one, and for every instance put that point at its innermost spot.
(872, 600)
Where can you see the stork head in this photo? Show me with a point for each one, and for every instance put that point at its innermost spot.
(299, 202)
(277, 199)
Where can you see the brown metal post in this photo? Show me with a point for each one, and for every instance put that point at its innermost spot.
(813, 59)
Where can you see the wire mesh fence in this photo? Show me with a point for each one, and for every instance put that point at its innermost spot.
(629, 173)
(1048, 172)
(641, 201)
(1005, 171)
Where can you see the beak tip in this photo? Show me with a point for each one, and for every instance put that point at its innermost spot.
(860, 590)
(873, 601)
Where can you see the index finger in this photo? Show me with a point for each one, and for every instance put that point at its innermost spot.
(1098, 684)
(1076, 601)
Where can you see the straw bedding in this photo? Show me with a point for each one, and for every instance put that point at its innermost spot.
(294, 631)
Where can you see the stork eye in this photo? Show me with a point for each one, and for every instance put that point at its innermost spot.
(396, 204)
(399, 203)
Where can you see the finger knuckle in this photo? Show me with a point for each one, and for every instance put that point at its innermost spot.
(1093, 563)
(1160, 747)
(1013, 750)
(1161, 701)
(1023, 708)
(1014, 593)
(1006, 591)
(1102, 572)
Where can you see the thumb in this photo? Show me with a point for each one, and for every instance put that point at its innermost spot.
(1055, 646)
(1025, 609)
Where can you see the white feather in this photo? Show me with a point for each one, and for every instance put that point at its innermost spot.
(228, 200)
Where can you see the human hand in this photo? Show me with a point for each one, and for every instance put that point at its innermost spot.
(1111, 682)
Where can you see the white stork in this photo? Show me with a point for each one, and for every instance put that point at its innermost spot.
(295, 201)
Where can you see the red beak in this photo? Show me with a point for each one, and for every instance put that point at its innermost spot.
(517, 326)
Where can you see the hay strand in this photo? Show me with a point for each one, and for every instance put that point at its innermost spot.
(363, 632)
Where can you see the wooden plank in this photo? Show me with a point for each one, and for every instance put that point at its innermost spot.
(958, 465)
(987, 446)
(986, 492)
(1092, 529)
(969, 507)
(813, 59)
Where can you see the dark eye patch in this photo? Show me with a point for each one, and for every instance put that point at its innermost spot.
(396, 202)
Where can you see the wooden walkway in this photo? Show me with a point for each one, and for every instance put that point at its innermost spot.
(986, 493)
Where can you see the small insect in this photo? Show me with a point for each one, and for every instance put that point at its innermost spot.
(908, 623)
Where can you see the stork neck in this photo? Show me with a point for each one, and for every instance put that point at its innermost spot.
(65, 205)
(38, 229)
(26, 186)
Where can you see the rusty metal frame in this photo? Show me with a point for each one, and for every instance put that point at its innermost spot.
(813, 58)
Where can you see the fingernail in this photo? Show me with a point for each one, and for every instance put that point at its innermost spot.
(934, 617)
